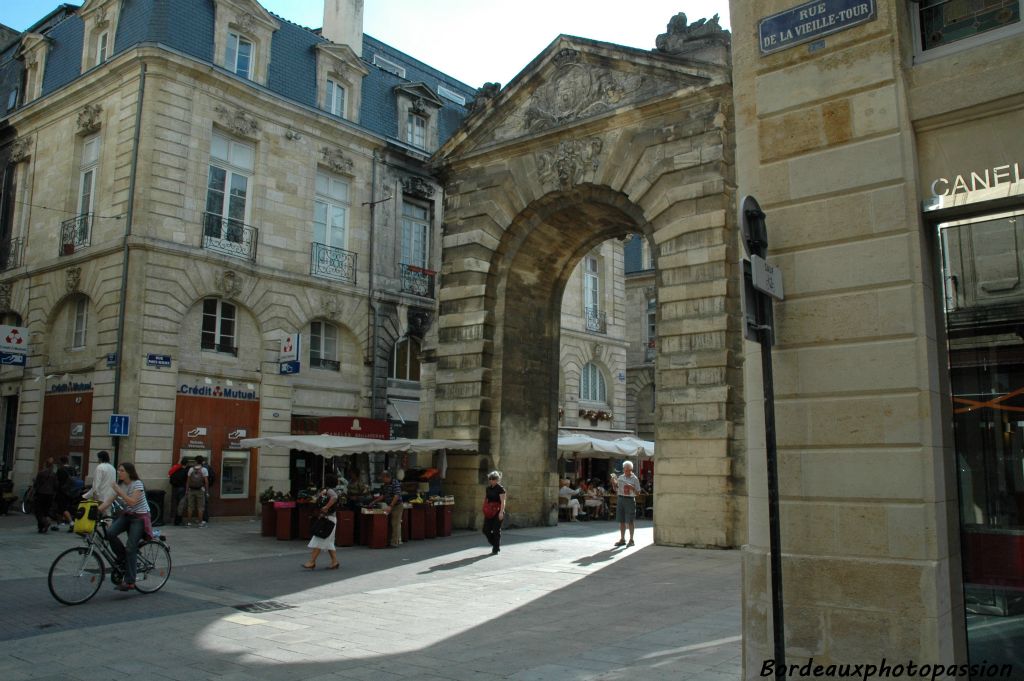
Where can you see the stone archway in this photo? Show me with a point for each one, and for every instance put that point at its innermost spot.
(595, 141)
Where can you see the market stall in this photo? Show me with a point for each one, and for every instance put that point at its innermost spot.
(426, 507)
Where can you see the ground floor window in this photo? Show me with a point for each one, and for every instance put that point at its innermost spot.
(983, 275)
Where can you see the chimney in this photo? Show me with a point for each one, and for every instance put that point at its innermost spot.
(343, 23)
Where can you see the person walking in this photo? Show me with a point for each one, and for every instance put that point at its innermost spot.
(178, 477)
(134, 520)
(211, 480)
(102, 478)
(391, 494)
(195, 501)
(328, 501)
(626, 486)
(494, 510)
(45, 488)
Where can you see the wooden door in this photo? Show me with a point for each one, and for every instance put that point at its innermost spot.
(67, 428)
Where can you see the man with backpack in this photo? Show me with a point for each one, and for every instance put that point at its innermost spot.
(178, 475)
(197, 483)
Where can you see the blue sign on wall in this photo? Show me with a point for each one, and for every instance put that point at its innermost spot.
(811, 20)
(289, 367)
(119, 425)
(12, 359)
(158, 360)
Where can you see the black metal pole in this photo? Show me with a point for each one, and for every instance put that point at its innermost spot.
(778, 628)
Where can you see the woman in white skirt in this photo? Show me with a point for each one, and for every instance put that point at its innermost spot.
(328, 500)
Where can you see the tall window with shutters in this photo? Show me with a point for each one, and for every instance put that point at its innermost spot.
(219, 327)
(592, 384)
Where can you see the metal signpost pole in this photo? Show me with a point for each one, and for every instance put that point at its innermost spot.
(765, 282)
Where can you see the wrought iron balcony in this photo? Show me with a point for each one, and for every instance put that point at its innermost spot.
(597, 320)
(75, 233)
(11, 253)
(229, 237)
(328, 262)
(650, 351)
(418, 281)
(321, 363)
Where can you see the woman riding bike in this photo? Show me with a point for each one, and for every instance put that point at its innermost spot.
(134, 519)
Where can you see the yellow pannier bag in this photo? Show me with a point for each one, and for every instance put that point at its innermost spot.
(86, 516)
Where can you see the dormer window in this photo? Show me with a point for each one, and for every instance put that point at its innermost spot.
(388, 65)
(416, 130)
(101, 47)
(335, 98)
(243, 32)
(238, 57)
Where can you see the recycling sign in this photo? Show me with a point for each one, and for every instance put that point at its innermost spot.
(13, 340)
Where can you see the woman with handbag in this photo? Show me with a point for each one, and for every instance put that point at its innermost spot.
(494, 510)
(326, 524)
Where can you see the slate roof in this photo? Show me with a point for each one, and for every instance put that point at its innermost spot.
(187, 26)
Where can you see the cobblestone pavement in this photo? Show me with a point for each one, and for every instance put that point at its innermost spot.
(558, 603)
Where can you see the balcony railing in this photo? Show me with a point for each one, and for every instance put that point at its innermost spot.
(597, 321)
(418, 281)
(75, 233)
(328, 262)
(229, 237)
(227, 348)
(11, 253)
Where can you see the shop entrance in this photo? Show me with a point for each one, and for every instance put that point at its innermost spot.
(67, 428)
(983, 274)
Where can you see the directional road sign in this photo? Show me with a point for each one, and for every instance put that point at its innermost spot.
(119, 425)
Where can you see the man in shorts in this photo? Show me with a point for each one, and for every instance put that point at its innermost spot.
(197, 483)
(626, 487)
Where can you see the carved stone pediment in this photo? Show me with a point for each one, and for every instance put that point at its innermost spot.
(336, 159)
(239, 121)
(90, 118)
(417, 186)
(567, 164)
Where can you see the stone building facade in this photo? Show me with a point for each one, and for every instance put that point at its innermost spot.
(887, 155)
(183, 197)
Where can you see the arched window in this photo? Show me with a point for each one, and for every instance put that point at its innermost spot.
(218, 330)
(323, 346)
(405, 360)
(592, 388)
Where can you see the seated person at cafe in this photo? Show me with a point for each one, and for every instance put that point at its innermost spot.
(573, 503)
(594, 500)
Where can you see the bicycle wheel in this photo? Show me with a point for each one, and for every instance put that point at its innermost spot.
(156, 512)
(153, 567)
(75, 576)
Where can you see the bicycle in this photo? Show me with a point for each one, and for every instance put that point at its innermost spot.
(77, 574)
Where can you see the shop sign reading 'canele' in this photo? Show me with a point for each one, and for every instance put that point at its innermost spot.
(811, 20)
(217, 390)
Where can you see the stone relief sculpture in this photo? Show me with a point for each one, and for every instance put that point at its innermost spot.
(330, 306)
(21, 149)
(229, 284)
(89, 118)
(245, 21)
(72, 279)
(567, 164)
(700, 37)
(417, 186)
(238, 121)
(336, 159)
(484, 95)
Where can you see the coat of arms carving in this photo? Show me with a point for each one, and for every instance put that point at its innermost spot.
(89, 118)
(569, 162)
(238, 121)
(336, 159)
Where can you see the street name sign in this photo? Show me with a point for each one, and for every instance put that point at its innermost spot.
(811, 20)
(767, 278)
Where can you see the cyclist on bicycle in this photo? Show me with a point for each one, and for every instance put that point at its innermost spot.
(134, 519)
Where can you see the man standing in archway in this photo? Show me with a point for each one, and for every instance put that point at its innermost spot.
(626, 486)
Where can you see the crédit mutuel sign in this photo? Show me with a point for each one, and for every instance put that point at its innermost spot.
(811, 20)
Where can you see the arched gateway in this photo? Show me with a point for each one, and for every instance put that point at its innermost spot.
(594, 141)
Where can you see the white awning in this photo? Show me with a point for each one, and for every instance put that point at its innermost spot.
(336, 445)
(404, 410)
(621, 448)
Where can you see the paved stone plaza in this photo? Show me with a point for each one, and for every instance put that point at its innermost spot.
(558, 603)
